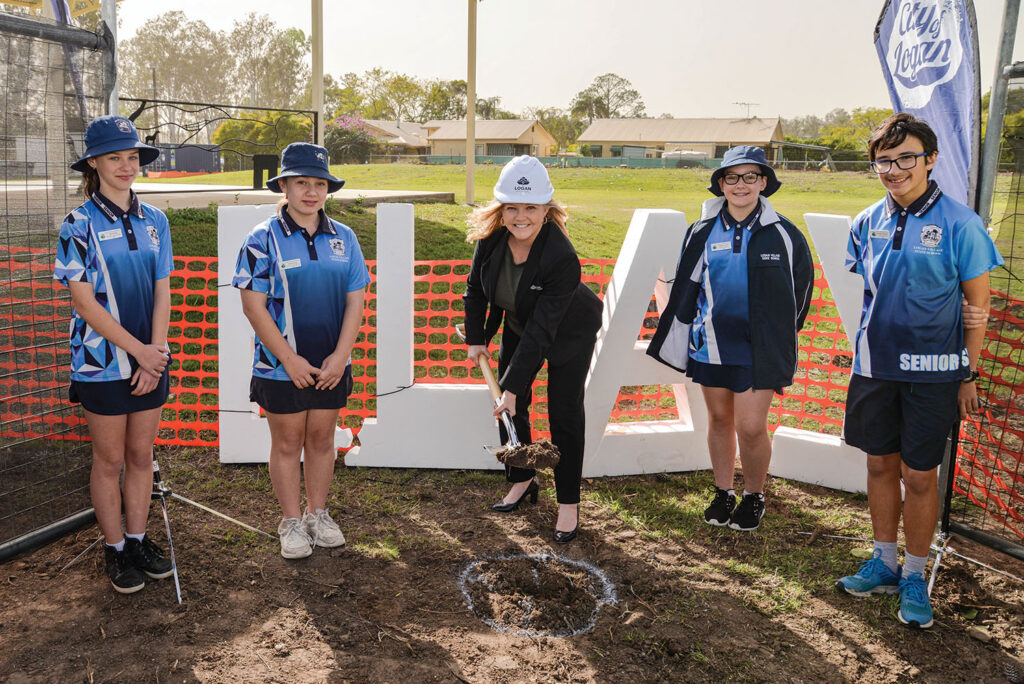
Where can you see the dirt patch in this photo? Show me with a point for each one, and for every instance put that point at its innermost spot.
(693, 603)
(536, 595)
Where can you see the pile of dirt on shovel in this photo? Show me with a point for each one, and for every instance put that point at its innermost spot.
(540, 454)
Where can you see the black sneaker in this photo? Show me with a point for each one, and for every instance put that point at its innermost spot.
(147, 557)
(123, 574)
(748, 514)
(720, 510)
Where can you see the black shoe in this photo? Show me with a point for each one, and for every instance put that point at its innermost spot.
(566, 537)
(147, 557)
(531, 492)
(748, 514)
(720, 510)
(126, 578)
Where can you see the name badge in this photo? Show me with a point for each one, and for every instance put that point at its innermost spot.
(881, 234)
(720, 246)
(112, 234)
(291, 263)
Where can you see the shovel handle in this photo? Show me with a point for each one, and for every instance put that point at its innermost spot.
(484, 363)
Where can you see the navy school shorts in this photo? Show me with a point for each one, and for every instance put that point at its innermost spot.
(735, 378)
(911, 418)
(114, 397)
(282, 396)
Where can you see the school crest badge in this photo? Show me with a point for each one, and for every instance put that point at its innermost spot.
(931, 235)
(153, 235)
(338, 246)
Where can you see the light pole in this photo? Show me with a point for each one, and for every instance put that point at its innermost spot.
(471, 105)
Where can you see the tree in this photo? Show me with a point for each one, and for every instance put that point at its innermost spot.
(346, 139)
(562, 127)
(259, 133)
(403, 95)
(490, 108)
(443, 100)
(269, 63)
(854, 134)
(609, 96)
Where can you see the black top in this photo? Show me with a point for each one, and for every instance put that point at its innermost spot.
(559, 313)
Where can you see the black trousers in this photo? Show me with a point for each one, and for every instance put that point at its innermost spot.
(566, 382)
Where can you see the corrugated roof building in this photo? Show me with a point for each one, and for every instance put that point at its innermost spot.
(654, 137)
(408, 136)
(500, 137)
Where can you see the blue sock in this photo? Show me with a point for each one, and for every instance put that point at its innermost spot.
(912, 564)
(888, 550)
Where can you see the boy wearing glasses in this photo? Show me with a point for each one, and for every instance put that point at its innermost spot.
(915, 365)
(740, 295)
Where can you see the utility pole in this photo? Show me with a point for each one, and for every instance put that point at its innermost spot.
(318, 68)
(156, 110)
(471, 105)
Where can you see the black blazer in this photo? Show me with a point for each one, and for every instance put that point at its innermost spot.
(560, 314)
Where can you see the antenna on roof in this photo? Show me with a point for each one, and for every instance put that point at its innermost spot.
(748, 105)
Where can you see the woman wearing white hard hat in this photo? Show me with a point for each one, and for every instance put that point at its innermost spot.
(526, 272)
(114, 254)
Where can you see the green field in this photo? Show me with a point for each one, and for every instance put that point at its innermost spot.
(600, 201)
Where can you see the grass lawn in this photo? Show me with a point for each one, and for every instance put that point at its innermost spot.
(601, 203)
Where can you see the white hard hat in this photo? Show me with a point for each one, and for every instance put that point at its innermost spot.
(524, 180)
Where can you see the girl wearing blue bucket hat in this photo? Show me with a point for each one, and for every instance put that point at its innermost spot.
(525, 272)
(302, 278)
(114, 254)
(741, 293)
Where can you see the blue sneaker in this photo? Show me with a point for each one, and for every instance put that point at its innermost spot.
(915, 606)
(874, 577)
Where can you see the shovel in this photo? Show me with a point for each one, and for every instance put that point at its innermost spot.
(541, 454)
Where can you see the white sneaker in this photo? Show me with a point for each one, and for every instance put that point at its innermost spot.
(322, 530)
(295, 541)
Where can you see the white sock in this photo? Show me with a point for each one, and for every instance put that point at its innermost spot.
(119, 546)
(912, 564)
(136, 537)
(760, 495)
(888, 550)
(731, 492)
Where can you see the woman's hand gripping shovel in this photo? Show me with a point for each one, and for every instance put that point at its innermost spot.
(541, 454)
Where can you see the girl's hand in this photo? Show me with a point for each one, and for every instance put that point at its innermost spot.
(967, 398)
(332, 371)
(301, 372)
(507, 403)
(475, 351)
(974, 316)
(143, 382)
(153, 359)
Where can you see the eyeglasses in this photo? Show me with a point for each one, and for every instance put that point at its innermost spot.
(905, 162)
(748, 178)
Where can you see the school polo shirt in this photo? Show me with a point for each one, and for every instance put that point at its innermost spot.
(721, 331)
(122, 254)
(913, 261)
(306, 279)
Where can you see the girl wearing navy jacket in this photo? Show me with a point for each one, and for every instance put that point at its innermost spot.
(526, 272)
(740, 296)
(114, 254)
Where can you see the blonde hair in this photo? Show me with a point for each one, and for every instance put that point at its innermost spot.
(484, 221)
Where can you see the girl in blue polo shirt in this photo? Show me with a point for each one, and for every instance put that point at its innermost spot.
(302, 278)
(114, 254)
(741, 293)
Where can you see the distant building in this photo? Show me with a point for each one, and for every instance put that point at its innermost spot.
(498, 138)
(403, 137)
(652, 138)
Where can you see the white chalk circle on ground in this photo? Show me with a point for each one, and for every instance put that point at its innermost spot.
(536, 595)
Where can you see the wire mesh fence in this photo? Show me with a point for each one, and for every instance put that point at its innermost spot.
(49, 89)
(987, 497)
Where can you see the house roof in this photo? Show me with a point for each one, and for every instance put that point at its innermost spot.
(486, 129)
(682, 130)
(407, 133)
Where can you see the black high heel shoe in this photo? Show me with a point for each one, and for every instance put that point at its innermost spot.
(531, 491)
(566, 537)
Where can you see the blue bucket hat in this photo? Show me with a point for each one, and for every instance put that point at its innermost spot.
(106, 134)
(745, 154)
(305, 159)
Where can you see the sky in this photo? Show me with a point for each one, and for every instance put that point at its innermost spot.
(687, 58)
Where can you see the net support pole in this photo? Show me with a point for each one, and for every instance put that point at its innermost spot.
(108, 13)
(996, 110)
(318, 68)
